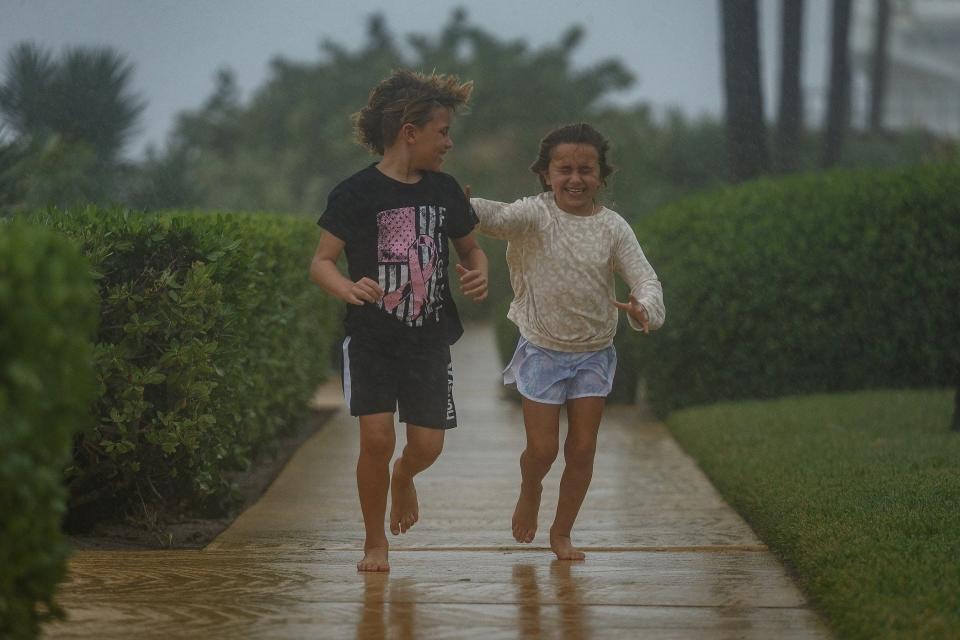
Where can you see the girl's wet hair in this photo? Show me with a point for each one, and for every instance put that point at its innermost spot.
(578, 133)
(406, 97)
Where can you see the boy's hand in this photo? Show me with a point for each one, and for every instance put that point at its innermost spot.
(362, 291)
(636, 311)
(467, 191)
(473, 284)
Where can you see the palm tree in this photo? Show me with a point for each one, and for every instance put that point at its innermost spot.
(25, 95)
(70, 118)
(83, 96)
(746, 130)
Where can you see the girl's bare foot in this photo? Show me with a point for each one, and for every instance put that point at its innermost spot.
(404, 509)
(374, 559)
(563, 547)
(525, 515)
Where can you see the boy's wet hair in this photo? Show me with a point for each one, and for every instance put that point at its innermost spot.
(578, 133)
(406, 96)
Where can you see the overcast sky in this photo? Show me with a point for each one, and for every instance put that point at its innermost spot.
(177, 46)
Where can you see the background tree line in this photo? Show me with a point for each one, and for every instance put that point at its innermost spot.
(67, 118)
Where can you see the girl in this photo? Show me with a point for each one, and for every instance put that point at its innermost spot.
(563, 249)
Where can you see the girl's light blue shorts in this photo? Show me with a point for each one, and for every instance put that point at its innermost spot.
(553, 377)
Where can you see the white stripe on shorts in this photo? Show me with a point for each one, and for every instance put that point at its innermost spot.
(346, 371)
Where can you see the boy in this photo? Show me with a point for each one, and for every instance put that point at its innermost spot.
(393, 220)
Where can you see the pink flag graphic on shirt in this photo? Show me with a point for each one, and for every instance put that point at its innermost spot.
(399, 243)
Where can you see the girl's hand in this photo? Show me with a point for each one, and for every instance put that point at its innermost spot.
(636, 311)
(362, 291)
(473, 284)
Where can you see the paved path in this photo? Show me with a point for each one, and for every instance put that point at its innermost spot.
(667, 558)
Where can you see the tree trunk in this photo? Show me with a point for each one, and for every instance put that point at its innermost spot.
(878, 69)
(790, 116)
(745, 129)
(838, 98)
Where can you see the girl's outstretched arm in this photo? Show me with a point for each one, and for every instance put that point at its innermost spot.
(503, 220)
(645, 310)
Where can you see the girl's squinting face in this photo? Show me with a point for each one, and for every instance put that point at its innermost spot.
(574, 177)
(433, 141)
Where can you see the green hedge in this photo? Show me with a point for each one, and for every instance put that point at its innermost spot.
(828, 282)
(48, 316)
(212, 339)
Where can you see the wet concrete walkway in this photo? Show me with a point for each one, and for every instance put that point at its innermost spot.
(666, 557)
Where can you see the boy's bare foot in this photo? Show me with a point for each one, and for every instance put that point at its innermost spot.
(563, 547)
(374, 559)
(404, 509)
(525, 515)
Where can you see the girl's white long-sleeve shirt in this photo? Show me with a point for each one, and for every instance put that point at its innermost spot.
(561, 269)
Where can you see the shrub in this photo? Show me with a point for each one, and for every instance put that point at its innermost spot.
(211, 340)
(829, 282)
(47, 315)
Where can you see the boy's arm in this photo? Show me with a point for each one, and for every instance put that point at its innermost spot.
(503, 220)
(645, 310)
(472, 268)
(324, 271)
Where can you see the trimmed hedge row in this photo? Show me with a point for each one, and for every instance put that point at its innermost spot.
(818, 283)
(212, 339)
(47, 319)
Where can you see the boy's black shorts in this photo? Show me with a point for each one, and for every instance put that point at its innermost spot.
(377, 377)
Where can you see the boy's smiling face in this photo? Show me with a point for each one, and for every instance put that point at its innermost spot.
(431, 141)
(574, 177)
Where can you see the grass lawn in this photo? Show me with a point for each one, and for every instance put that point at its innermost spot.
(858, 493)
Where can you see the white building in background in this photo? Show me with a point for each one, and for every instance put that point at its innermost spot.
(923, 73)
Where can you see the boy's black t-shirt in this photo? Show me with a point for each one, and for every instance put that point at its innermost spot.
(396, 234)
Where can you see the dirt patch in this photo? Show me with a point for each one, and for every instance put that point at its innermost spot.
(196, 533)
